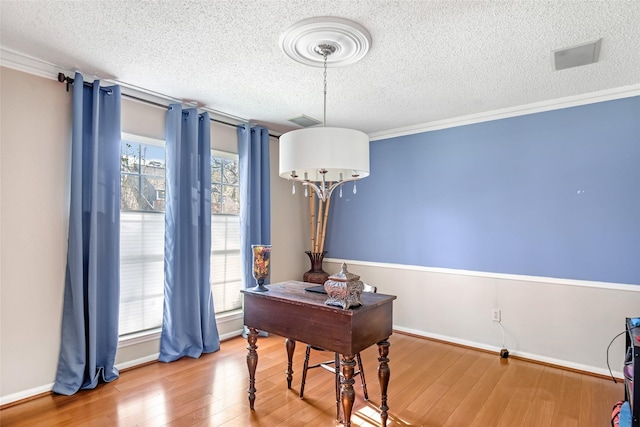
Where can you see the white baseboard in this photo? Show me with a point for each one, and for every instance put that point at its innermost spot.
(230, 335)
(136, 362)
(521, 354)
(25, 394)
(152, 357)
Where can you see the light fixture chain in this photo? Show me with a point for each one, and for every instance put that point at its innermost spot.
(324, 121)
(325, 50)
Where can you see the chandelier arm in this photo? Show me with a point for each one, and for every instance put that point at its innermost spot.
(319, 192)
(333, 187)
(323, 192)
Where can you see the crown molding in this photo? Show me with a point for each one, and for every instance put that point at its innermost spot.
(521, 110)
(28, 64)
(38, 67)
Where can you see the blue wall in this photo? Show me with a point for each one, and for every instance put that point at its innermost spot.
(553, 194)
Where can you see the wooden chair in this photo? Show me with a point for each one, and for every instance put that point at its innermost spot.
(333, 366)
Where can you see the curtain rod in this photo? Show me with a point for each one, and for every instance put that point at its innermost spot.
(69, 80)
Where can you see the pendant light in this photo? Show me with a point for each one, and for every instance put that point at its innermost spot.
(324, 158)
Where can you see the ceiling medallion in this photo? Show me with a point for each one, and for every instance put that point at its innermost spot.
(350, 40)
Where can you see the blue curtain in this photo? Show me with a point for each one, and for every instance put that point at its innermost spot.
(255, 199)
(188, 325)
(92, 282)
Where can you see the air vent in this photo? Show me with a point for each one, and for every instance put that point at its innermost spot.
(575, 56)
(305, 121)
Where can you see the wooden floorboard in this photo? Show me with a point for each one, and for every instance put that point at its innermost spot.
(432, 384)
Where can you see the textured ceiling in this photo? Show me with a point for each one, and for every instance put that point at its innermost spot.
(429, 60)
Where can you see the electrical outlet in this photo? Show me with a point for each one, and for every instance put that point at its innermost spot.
(496, 316)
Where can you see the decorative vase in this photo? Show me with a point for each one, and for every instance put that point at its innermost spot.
(344, 289)
(316, 274)
(261, 264)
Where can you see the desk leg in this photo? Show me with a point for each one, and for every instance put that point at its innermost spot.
(291, 346)
(383, 377)
(252, 363)
(348, 395)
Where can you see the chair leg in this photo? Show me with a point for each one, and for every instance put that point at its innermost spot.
(337, 375)
(304, 371)
(362, 379)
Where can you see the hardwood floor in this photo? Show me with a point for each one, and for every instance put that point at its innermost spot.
(432, 384)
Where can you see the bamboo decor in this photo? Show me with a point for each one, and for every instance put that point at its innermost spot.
(318, 221)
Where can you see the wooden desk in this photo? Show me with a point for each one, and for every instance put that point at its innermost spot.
(290, 311)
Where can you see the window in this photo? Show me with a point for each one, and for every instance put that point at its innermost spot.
(142, 177)
(142, 204)
(226, 273)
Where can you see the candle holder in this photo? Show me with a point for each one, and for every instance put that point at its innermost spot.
(261, 262)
